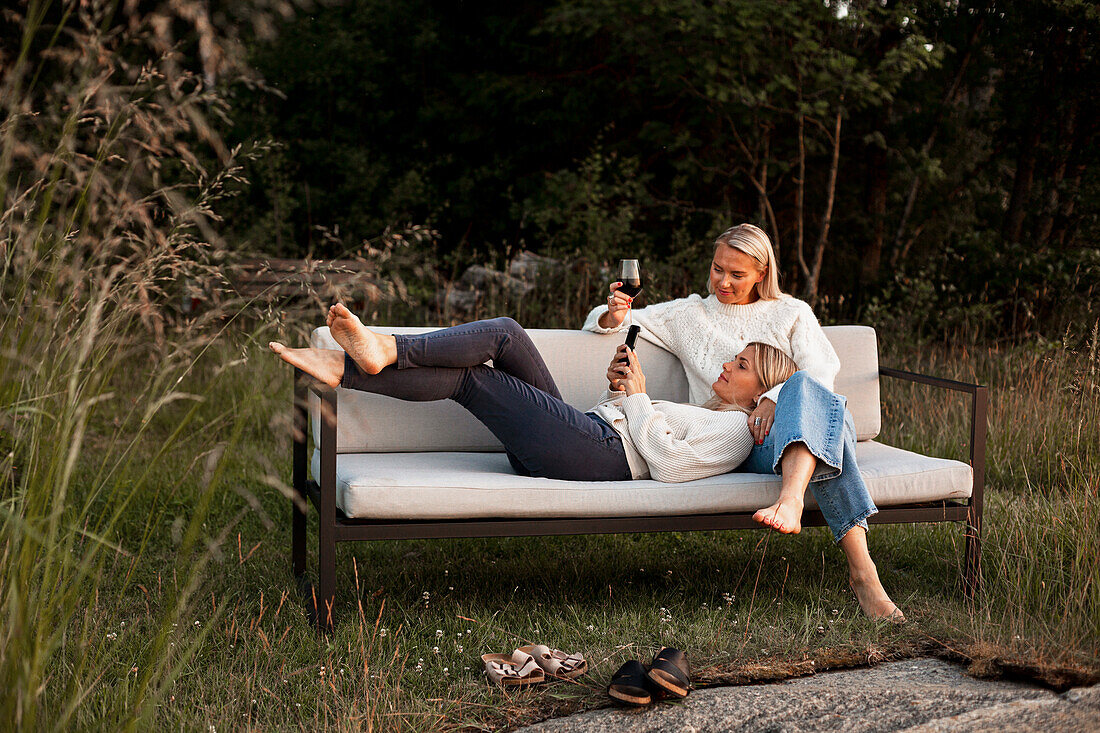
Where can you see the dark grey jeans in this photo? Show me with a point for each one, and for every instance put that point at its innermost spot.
(516, 398)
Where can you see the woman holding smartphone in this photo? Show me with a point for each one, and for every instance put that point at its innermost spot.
(626, 435)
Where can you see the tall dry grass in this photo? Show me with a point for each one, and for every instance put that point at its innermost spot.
(1041, 572)
(110, 172)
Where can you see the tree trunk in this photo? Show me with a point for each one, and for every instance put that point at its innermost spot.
(914, 187)
(1028, 154)
(1021, 184)
(766, 210)
(799, 198)
(878, 187)
(827, 217)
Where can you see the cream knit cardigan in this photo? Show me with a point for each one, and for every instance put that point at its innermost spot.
(704, 333)
(672, 442)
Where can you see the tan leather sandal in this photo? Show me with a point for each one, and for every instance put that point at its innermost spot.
(557, 663)
(517, 670)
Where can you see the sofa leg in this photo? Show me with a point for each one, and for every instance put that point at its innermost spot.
(299, 477)
(972, 569)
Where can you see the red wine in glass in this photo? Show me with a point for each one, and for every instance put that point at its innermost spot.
(630, 274)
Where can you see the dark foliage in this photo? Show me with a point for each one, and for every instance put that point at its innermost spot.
(963, 193)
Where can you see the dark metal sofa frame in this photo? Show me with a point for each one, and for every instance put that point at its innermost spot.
(334, 526)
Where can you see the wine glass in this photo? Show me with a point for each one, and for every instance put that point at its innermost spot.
(630, 274)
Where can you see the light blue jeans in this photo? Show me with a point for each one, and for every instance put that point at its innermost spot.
(809, 413)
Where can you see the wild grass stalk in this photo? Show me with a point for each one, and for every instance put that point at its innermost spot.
(94, 240)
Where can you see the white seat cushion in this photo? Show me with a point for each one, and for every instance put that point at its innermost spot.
(458, 485)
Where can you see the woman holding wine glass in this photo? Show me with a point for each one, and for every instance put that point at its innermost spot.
(791, 422)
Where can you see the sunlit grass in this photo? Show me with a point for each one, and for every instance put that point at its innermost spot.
(407, 645)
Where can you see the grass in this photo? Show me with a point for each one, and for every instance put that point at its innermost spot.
(746, 605)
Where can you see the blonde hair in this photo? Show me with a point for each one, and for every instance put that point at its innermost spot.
(753, 241)
(772, 367)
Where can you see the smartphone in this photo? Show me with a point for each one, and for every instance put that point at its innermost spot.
(631, 338)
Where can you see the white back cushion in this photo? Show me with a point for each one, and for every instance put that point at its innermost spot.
(857, 348)
(578, 361)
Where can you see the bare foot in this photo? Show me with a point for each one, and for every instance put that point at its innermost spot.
(367, 348)
(327, 365)
(783, 516)
(873, 599)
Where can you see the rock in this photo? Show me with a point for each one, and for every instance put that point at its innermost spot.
(529, 266)
(477, 277)
(914, 695)
(460, 301)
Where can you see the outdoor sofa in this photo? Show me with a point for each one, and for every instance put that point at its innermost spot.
(383, 469)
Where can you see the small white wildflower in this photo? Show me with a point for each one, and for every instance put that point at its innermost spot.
(198, 624)
(590, 627)
(121, 623)
(450, 587)
(435, 650)
(836, 612)
(444, 670)
(438, 633)
(425, 595)
(253, 702)
(112, 636)
(459, 648)
(467, 631)
(821, 629)
(383, 632)
(460, 635)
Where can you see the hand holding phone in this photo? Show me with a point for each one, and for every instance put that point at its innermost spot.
(631, 338)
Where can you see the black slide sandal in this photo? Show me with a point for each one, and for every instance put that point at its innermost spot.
(669, 670)
(628, 685)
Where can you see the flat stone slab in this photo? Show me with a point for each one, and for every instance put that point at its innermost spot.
(927, 695)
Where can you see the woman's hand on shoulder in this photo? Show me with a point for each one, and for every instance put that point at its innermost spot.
(761, 419)
(618, 305)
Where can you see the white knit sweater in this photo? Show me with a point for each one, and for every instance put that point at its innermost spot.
(704, 333)
(672, 442)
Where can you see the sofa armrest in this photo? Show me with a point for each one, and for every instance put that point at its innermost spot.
(303, 385)
(979, 409)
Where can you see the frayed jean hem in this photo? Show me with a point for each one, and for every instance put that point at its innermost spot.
(860, 521)
(832, 463)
